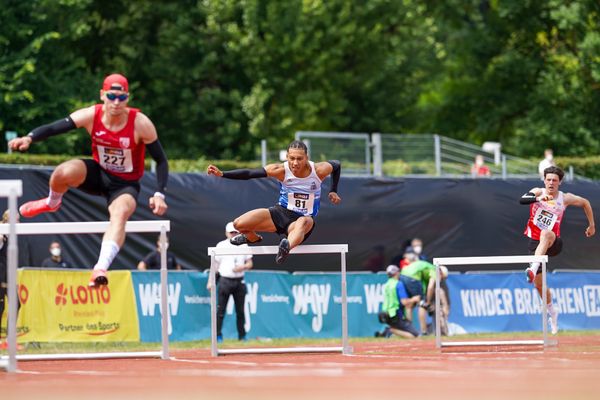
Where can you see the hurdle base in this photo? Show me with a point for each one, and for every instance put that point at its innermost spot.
(279, 350)
(475, 343)
(84, 356)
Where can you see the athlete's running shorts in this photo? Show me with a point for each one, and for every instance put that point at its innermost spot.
(554, 250)
(99, 182)
(283, 218)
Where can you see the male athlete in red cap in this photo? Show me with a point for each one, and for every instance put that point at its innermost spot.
(120, 135)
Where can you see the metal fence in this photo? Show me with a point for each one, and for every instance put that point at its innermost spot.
(422, 155)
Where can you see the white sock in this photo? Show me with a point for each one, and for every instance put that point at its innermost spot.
(108, 252)
(550, 308)
(534, 267)
(54, 198)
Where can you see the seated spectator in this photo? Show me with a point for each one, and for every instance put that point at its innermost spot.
(479, 168)
(395, 298)
(424, 272)
(56, 259)
(417, 246)
(152, 259)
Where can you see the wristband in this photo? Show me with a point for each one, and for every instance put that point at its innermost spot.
(159, 194)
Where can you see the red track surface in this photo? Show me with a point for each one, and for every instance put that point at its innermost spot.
(383, 369)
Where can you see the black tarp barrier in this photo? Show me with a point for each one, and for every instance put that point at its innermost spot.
(454, 217)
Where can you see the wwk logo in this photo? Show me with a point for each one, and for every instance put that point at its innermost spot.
(81, 295)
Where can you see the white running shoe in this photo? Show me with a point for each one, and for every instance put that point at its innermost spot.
(553, 321)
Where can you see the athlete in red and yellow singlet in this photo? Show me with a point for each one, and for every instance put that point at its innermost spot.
(120, 135)
(547, 207)
(545, 215)
(117, 152)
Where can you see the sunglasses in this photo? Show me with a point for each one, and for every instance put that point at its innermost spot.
(112, 96)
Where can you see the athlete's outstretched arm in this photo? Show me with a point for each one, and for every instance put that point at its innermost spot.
(578, 201)
(73, 121)
(533, 196)
(272, 170)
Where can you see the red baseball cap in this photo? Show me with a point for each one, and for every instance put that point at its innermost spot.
(115, 82)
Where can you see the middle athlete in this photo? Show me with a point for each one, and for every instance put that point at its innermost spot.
(299, 199)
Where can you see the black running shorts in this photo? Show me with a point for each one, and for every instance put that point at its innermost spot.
(554, 250)
(99, 182)
(283, 218)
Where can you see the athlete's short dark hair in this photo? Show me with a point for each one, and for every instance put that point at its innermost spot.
(554, 170)
(297, 144)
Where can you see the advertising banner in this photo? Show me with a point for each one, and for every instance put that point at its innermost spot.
(277, 305)
(281, 305)
(504, 302)
(267, 308)
(188, 301)
(59, 306)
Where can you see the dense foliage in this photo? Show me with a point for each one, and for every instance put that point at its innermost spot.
(216, 76)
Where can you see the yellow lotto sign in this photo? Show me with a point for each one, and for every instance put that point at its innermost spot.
(58, 306)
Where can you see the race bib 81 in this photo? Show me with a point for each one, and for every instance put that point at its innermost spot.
(302, 203)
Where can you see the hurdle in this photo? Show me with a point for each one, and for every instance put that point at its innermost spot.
(12, 189)
(342, 249)
(44, 228)
(446, 261)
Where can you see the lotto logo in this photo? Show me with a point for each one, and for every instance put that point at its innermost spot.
(61, 295)
(81, 295)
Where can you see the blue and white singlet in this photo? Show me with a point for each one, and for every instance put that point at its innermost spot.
(300, 195)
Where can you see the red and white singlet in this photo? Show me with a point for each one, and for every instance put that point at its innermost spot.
(117, 152)
(545, 215)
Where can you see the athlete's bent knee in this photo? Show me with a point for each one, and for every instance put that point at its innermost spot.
(548, 235)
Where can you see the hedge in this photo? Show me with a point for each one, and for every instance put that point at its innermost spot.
(586, 166)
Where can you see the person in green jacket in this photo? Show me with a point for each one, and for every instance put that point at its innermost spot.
(424, 272)
(395, 298)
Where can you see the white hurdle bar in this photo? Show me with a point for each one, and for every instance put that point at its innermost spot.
(446, 261)
(342, 249)
(45, 228)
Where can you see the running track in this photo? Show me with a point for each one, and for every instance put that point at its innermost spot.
(382, 369)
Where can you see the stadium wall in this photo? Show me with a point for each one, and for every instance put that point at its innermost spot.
(454, 217)
(57, 306)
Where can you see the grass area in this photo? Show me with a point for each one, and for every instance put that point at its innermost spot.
(54, 348)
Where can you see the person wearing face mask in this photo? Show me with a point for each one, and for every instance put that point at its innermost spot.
(152, 259)
(548, 161)
(417, 247)
(56, 259)
(479, 168)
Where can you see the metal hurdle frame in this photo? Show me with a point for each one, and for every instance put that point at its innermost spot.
(490, 260)
(12, 189)
(262, 250)
(45, 228)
